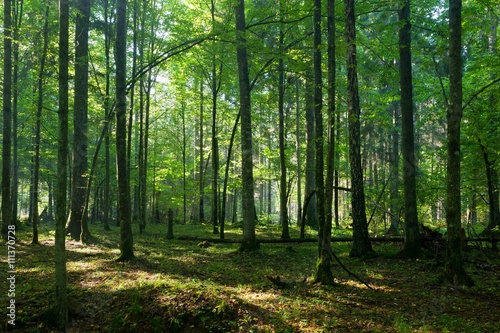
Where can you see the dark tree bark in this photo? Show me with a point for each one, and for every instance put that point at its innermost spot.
(412, 247)
(124, 211)
(61, 306)
(248, 205)
(323, 269)
(454, 271)
(77, 216)
(361, 245)
(7, 120)
(35, 218)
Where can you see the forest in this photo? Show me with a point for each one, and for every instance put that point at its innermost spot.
(250, 166)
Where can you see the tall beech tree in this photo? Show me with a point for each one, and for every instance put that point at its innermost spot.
(454, 271)
(361, 245)
(123, 180)
(412, 247)
(247, 196)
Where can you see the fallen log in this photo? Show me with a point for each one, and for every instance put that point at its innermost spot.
(334, 240)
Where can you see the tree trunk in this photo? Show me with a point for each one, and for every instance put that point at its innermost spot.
(18, 15)
(330, 166)
(122, 171)
(323, 269)
(7, 120)
(35, 218)
(412, 247)
(454, 271)
(201, 206)
(107, 185)
(394, 196)
(361, 245)
(77, 215)
(248, 205)
(285, 233)
(298, 151)
(493, 195)
(311, 213)
(61, 306)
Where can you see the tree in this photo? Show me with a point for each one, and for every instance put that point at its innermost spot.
(248, 205)
(412, 247)
(361, 245)
(323, 271)
(77, 220)
(124, 211)
(35, 218)
(7, 119)
(285, 233)
(61, 306)
(454, 271)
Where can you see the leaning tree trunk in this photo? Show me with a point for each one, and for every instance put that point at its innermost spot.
(412, 247)
(248, 205)
(361, 245)
(454, 271)
(124, 212)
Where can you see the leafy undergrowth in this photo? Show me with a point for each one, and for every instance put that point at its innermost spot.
(177, 286)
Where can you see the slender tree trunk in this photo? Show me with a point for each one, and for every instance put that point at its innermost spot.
(311, 213)
(330, 173)
(107, 45)
(361, 245)
(226, 173)
(7, 120)
(18, 15)
(77, 216)
(201, 174)
(248, 205)
(35, 218)
(394, 196)
(493, 195)
(122, 170)
(454, 271)
(412, 247)
(298, 151)
(285, 233)
(61, 306)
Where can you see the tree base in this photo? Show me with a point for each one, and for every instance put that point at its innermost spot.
(324, 274)
(249, 245)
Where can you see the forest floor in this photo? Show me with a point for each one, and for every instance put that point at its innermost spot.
(178, 286)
